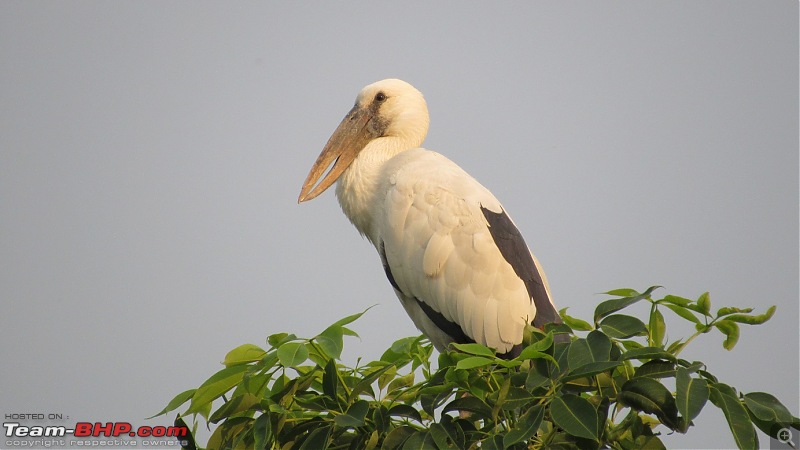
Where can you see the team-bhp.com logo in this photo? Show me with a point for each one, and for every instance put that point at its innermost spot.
(97, 429)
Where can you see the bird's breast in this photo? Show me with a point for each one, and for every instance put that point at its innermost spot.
(361, 189)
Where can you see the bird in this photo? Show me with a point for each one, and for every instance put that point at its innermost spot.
(457, 262)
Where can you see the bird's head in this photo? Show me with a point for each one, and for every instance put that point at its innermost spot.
(390, 111)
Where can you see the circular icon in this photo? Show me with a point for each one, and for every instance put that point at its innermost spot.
(784, 435)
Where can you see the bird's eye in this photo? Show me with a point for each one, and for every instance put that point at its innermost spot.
(380, 96)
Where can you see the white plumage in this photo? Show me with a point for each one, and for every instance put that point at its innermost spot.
(458, 264)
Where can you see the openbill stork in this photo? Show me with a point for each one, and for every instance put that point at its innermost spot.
(454, 257)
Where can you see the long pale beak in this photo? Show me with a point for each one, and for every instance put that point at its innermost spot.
(350, 137)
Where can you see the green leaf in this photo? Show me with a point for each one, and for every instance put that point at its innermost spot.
(475, 349)
(704, 304)
(508, 363)
(589, 356)
(380, 419)
(218, 384)
(657, 328)
(526, 426)
(389, 373)
(655, 369)
(244, 354)
(684, 312)
(330, 380)
(203, 410)
(554, 370)
(676, 347)
(515, 397)
(492, 442)
(315, 402)
(752, 320)
(650, 396)
(403, 345)
(675, 300)
(330, 341)
(292, 354)
(447, 435)
(319, 439)
(348, 332)
(590, 369)
(648, 442)
(576, 415)
(738, 421)
(620, 326)
(693, 366)
(731, 332)
(610, 306)
(396, 437)
(435, 397)
(542, 344)
(233, 406)
(728, 310)
(771, 429)
(230, 433)
(458, 378)
(420, 440)
(367, 381)
(561, 330)
(262, 431)
(354, 417)
(767, 408)
(405, 411)
(707, 376)
(401, 382)
(275, 340)
(647, 353)
(622, 292)
(470, 404)
(691, 395)
(268, 361)
(535, 380)
(531, 353)
(176, 401)
(575, 324)
(351, 318)
(579, 353)
(726, 389)
(473, 362)
(600, 345)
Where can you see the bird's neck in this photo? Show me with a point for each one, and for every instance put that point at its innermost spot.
(359, 185)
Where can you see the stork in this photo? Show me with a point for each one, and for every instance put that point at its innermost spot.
(454, 257)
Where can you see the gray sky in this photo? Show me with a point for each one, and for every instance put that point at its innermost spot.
(151, 156)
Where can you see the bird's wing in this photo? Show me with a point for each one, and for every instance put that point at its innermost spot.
(447, 242)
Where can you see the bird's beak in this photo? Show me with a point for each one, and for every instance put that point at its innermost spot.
(350, 137)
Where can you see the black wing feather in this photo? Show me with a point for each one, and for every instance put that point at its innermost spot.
(515, 251)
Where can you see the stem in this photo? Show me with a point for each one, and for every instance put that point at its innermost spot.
(597, 383)
(691, 338)
(707, 328)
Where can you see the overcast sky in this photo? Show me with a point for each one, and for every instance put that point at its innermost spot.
(151, 155)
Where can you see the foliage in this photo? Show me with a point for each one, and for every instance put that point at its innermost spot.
(612, 386)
